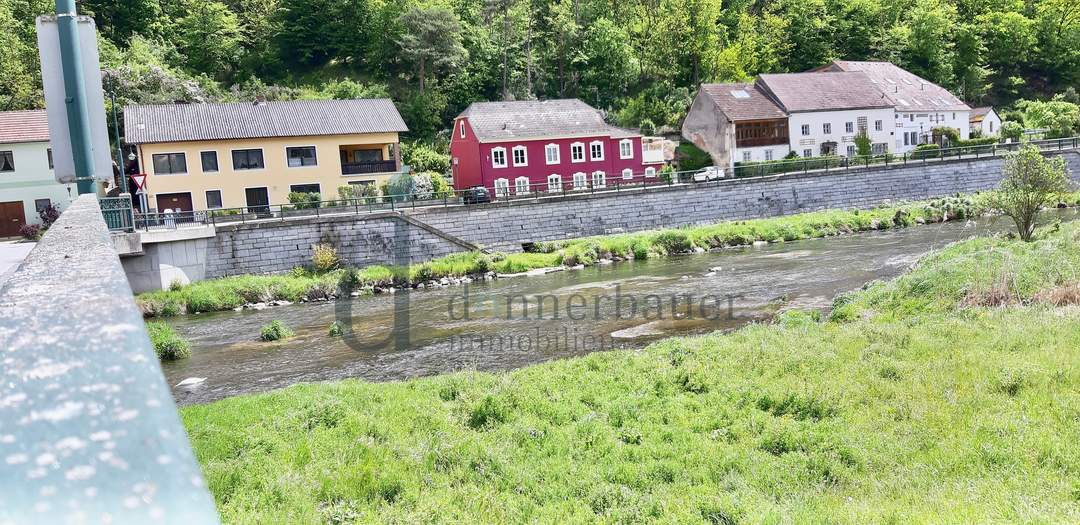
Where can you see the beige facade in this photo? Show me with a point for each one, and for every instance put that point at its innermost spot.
(339, 160)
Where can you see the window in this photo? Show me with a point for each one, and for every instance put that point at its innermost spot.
(48, 153)
(521, 185)
(302, 156)
(42, 204)
(849, 127)
(596, 150)
(880, 149)
(554, 183)
(498, 158)
(304, 188)
(461, 126)
(551, 154)
(577, 152)
(209, 161)
(954, 116)
(768, 154)
(247, 159)
(627, 174)
(911, 117)
(807, 153)
(167, 164)
(806, 129)
(746, 156)
(878, 126)
(521, 156)
(626, 149)
(7, 161)
(579, 181)
(213, 199)
(851, 151)
(650, 173)
(826, 128)
(599, 179)
(502, 188)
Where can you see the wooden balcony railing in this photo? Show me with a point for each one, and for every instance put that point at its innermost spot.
(360, 168)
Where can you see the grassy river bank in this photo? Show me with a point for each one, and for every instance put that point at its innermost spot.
(306, 285)
(948, 395)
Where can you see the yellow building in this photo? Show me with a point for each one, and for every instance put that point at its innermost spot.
(209, 156)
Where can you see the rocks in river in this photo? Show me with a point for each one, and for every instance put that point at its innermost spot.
(191, 381)
(605, 261)
(710, 274)
(577, 267)
(920, 220)
(698, 249)
(279, 303)
(759, 244)
(715, 269)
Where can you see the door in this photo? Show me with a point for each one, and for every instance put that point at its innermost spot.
(12, 218)
(176, 202)
(258, 200)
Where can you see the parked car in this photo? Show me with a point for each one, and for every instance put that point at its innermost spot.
(709, 174)
(476, 195)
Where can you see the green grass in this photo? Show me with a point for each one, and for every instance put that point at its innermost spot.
(917, 407)
(168, 345)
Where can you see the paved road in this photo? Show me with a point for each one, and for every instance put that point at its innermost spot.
(11, 254)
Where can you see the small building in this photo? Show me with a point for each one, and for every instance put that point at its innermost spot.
(27, 181)
(208, 156)
(920, 105)
(808, 114)
(554, 145)
(985, 121)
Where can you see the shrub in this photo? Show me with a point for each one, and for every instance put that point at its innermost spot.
(31, 232)
(692, 158)
(673, 241)
(926, 151)
(337, 329)
(301, 200)
(648, 128)
(358, 193)
(1031, 183)
(1012, 130)
(275, 331)
(863, 147)
(666, 173)
(400, 187)
(324, 258)
(168, 345)
(422, 158)
(48, 216)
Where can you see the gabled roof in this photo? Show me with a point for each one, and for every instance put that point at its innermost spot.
(831, 91)
(534, 119)
(980, 113)
(24, 126)
(299, 118)
(742, 102)
(907, 91)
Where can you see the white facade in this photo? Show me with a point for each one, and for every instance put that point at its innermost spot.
(32, 180)
(916, 127)
(990, 125)
(761, 153)
(814, 132)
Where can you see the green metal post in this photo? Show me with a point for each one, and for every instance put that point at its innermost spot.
(119, 149)
(75, 86)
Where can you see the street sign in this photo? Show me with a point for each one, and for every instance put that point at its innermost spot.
(52, 79)
(140, 181)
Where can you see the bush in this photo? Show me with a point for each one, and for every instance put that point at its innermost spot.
(168, 345)
(673, 241)
(275, 331)
(692, 158)
(301, 200)
(324, 258)
(666, 173)
(1031, 183)
(1012, 130)
(400, 187)
(358, 193)
(648, 128)
(421, 157)
(31, 232)
(926, 151)
(48, 216)
(337, 329)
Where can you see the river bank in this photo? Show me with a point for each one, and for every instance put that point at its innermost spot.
(303, 285)
(945, 395)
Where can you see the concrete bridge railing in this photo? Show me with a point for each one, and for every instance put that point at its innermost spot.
(89, 432)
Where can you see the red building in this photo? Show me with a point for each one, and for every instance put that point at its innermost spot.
(514, 148)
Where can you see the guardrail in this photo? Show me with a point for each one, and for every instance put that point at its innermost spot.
(88, 428)
(592, 184)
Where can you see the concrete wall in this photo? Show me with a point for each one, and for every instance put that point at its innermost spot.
(707, 128)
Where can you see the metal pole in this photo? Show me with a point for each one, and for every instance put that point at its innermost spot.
(119, 149)
(67, 23)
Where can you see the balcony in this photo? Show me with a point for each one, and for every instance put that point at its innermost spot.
(652, 151)
(371, 166)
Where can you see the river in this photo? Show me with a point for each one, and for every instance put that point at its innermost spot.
(558, 315)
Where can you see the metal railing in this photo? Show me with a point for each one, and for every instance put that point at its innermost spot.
(592, 184)
(375, 166)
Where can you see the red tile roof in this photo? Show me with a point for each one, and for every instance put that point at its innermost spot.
(23, 126)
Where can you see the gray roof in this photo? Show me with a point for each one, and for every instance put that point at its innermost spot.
(906, 90)
(830, 91)
(532, 119)
(299, 118)
(981, 112)
(742, 102)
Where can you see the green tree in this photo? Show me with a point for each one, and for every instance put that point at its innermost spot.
(432, 41)
(210, 38)
(1060, 118)
(1032, 182)
(610, 63)
(119, 20)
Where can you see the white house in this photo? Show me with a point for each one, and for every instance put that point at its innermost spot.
(920, 105)
(27, 182)
(986, 121)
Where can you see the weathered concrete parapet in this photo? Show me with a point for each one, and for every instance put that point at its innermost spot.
(88, 429)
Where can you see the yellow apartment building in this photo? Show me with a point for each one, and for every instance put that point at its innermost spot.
(209, 156)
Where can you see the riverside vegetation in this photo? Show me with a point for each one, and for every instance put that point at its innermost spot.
(948, 395)
(311, 285)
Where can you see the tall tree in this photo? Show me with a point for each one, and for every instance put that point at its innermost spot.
(432, 41)
(210, 38)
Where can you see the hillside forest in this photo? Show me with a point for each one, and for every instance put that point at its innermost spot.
(640, 60)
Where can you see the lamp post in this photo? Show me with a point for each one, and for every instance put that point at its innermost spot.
(116, 136)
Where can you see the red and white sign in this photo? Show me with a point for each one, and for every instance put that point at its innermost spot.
(139, 180)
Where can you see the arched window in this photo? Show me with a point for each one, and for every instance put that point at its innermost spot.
(551, 153)
(521, 156)
(599, 179)
(580, 181)
(626, 149)
(521, 185)
(627, 174)
(577, 152)
(596, 150)
(498, 157)
(555, 183)
(650, 173)
(502, 188)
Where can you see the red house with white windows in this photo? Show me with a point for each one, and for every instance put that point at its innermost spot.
(516, 148)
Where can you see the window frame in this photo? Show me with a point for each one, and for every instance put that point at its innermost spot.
(599, 179)
(554, 182)
(494, 158)
(808, 153)
(524, 156)
(247, 152)
(768, 155)
(548, 148)
(314, 155)
(592, 156)
(581, 180)
(879, 125)
(292, 187)
(153, 162)
(852, 151)
(580, 147)
(37, 205)
(849, 127)
(505, 190)
(202, 161)
(11, 159)
(747, 156)
(650, 172)
(628, 144)
(518, 184)
(49, 155)
(806, 130)
(221, 199)
(627, 174)
(461, 128)
(826, 128)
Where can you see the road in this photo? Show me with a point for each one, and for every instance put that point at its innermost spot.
(11, 254)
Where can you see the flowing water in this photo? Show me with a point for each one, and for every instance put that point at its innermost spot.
(562, 314)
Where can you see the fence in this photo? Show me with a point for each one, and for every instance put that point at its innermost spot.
(507, 192)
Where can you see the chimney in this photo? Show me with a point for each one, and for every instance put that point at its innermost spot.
(259, 100)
